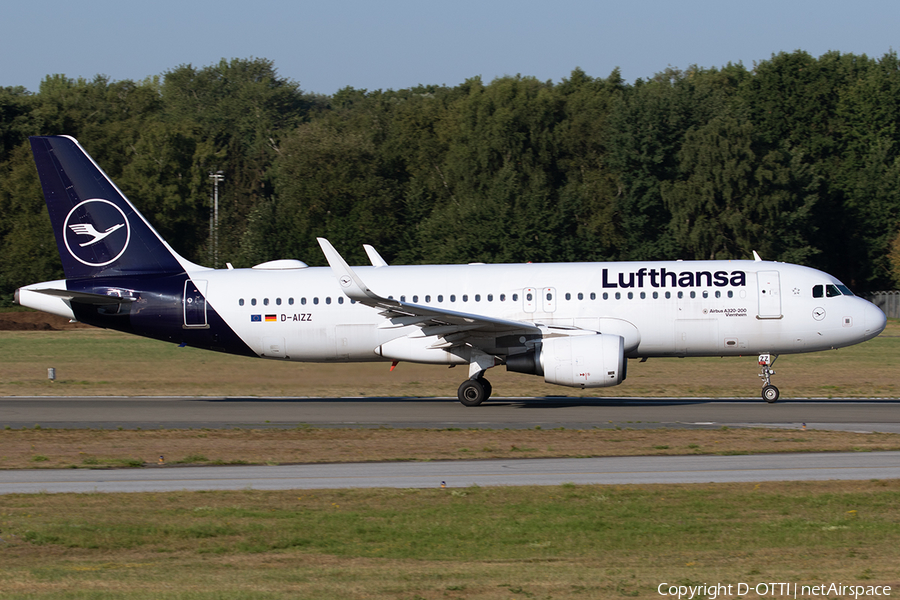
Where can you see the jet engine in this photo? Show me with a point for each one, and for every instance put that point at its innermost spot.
(584, 361)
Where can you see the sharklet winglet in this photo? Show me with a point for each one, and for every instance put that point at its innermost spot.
(352, 286)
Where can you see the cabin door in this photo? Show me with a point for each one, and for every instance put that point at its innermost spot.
(769, 294)
(194, 303)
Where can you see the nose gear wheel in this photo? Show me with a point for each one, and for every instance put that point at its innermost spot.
(770, 393)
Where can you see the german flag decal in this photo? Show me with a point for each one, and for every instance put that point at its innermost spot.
(271, 318)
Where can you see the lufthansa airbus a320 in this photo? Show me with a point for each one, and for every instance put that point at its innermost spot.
(574, 324)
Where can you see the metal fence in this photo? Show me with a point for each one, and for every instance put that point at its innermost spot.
(889, 302)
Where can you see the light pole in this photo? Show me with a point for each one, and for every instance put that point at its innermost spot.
(214, 222)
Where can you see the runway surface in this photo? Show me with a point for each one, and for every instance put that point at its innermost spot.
(616, 470)
(576, 413)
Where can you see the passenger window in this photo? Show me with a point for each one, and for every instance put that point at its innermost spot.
(415, 299)
(490, 297)
(278, 301)
(303, 301)
(818, 291)
(730, 294)
(606, 295)
(515, 297)
(718, 294)
(631, 295)
(241, 302)
(655, 295)
(253, 302)
(502, 297)
(549, 296)
(680, 295)
(440, 297)
(477, 297)
(328, 300)
(340, 299)
(315, 300)
(452, 297)
(668, 295)
(265, 301)
(568, 296)
(428, 298)
(693, 294)
(465, 298)
(291, 301)
(528, 297)
(705, 294)
(618, 295)
(402, 298)
(643, 295)
(593, 295)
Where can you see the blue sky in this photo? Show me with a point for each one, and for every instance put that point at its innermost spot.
(396, 44)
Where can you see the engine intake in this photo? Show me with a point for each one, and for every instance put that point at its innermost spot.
(584, 361)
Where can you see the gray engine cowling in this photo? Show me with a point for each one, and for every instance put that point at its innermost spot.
(576, 361)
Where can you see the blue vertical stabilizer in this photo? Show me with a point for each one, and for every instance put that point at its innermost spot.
(98, 231)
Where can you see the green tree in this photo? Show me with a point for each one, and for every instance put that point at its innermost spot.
(735, 197)
(240, 109)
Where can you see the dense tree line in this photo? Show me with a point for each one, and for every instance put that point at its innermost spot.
(797, 158)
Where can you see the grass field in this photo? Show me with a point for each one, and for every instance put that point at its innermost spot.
(99, 362)
(560, 542)
(494, 543)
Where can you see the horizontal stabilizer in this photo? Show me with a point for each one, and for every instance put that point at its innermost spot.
(86, 298)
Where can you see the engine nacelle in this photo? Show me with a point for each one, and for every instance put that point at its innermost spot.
(575, 361)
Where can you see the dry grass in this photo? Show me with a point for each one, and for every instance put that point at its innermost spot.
(98, 362)
(28, 449)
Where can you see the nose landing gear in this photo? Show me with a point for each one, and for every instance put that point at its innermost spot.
(770, 393)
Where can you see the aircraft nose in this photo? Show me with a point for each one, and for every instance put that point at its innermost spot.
(875, 320)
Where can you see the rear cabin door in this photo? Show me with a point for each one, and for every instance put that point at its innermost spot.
(195, 303)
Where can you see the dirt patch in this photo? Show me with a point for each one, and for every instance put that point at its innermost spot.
(36, 321)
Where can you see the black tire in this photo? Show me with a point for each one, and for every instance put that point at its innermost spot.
(471, 392)
(770, 394)
(488, 388)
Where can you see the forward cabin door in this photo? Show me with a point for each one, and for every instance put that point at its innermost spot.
(769, 284)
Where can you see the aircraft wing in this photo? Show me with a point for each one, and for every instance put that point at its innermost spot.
(433, 321)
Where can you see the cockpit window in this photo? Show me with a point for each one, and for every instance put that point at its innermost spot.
(845, 290)
(830, 291)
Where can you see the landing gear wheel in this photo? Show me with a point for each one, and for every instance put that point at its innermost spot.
(488, 388)
(473, 392)
(770, 394)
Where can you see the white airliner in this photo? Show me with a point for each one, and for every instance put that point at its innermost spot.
(575, 324)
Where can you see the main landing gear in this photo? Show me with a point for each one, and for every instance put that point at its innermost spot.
(474, 391)
(769, 392)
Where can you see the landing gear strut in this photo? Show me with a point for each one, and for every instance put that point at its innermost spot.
(474, 391)
(769, 392)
